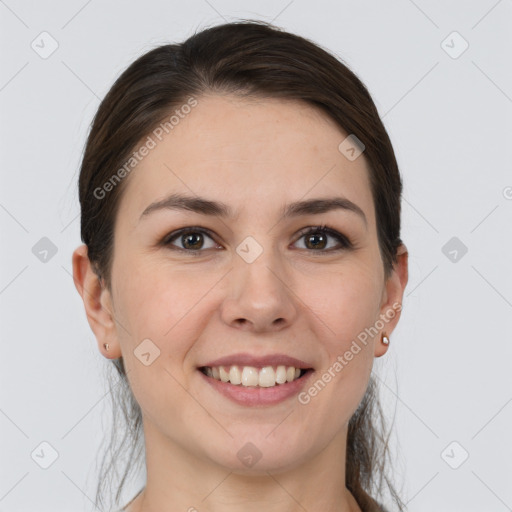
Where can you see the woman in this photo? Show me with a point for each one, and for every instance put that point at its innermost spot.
(242, 267)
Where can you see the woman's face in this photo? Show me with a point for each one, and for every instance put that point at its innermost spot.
(249, 282)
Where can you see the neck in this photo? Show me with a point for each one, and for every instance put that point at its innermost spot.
(191, 482)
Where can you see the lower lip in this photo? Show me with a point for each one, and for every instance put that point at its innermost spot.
(252, 395)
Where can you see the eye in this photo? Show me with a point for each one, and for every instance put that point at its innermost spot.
(192, 239)
(316, 238)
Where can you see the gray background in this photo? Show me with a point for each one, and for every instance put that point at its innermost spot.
(447, 375)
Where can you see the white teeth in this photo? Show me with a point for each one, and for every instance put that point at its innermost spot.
(250, 376)
(235, 376)
(224, 375)
(267, 377)
(281, 374)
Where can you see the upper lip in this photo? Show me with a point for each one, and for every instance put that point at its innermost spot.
(245, 359)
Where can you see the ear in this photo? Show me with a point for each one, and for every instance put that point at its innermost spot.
(98, 303)
(392, 297)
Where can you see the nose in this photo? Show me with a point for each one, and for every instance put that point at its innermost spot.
(259, 296)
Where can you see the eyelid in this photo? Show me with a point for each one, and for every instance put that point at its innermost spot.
(343, 240)
(166, 241)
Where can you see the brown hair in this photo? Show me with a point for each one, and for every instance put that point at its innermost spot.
(247, 58)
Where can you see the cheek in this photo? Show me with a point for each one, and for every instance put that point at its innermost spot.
(159, 302)
(348, 300)
(348, 303)
(156, 310)
(348, 308)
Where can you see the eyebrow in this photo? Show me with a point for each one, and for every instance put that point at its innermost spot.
(205, 206)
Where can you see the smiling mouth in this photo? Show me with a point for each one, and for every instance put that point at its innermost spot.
(250, 376)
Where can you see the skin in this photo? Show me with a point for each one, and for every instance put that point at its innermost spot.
(256, 156)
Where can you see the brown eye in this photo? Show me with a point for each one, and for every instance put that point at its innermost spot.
(317, 239)
(191, 239)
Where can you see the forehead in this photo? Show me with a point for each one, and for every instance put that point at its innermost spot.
(256, 151)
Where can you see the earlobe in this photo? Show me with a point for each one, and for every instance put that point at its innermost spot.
(97, 303)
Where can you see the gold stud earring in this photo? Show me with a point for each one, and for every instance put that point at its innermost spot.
(106, 345)
(385, 339)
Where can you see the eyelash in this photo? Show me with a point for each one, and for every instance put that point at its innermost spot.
(345, 243)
